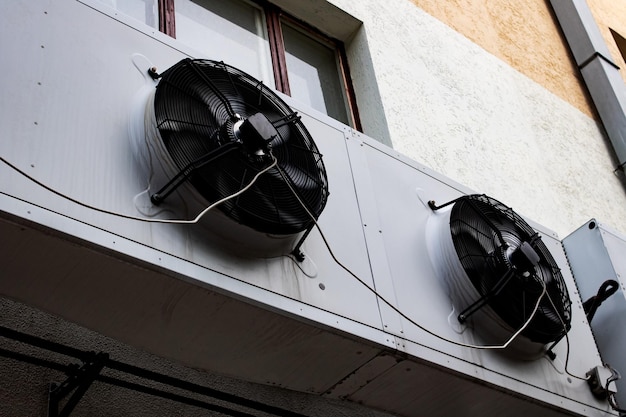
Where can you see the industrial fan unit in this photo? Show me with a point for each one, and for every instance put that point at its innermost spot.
(209, 130)
(499, 274)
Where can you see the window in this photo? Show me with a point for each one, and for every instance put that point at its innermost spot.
(313, 72)
(235, 32)
(262, 40)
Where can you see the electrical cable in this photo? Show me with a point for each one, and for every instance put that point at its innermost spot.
(567, 344)
(410, 320)
(388, 303)
(607, 289)
(396, 309)
(143, 219)
(363, 283)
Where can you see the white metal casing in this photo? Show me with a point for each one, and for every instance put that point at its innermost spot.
(166, 288)
(596, 254)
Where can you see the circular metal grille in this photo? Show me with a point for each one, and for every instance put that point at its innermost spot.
(486, 236)
(196, 105)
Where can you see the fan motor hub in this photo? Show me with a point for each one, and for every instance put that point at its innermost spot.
(524, 258)
(255, 133)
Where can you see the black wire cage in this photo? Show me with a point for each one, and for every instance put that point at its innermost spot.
(508, 264)
(221, 127)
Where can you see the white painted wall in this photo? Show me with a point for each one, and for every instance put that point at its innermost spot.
(458, 109)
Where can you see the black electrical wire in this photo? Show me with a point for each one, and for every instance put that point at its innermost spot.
(199, 389)
(44, 344)
(607, 289)
(396, 309)
(141, 219)
(379, 296)
(313, 218)
(44, 363)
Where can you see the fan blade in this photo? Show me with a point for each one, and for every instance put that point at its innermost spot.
(195, 106)
(486, 236)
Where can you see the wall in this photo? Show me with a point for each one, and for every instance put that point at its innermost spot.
(502, 119)
(525, 35)
(102, 399)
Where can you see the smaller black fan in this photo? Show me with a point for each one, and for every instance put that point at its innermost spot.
(506, 261)
(221, 127)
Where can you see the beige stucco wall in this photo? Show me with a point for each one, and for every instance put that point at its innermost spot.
(524, 34)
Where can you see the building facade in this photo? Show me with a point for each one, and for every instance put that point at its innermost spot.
(107, 313)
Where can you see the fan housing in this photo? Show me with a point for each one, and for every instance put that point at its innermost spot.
(495, 267)
(209, 130)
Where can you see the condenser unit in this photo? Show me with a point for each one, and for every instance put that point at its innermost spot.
(213, 135)
(464, 279)
(343, 269)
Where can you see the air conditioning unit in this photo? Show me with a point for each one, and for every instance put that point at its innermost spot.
(462, 276)
(402, 304)
(500, 275)
(596, 255)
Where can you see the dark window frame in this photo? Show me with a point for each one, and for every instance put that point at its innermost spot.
(273, 17)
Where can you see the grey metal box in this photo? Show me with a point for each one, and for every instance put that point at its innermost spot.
(597, 253)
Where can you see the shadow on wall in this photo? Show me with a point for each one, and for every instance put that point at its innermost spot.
(26, 384)
(369, 101)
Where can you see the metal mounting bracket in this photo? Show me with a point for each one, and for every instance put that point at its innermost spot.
(79, 379)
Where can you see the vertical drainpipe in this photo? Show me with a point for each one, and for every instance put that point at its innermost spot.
(601, 74)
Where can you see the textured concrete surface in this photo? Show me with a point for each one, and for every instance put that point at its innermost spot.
(107, 400)
(465, 112)
(523, 34)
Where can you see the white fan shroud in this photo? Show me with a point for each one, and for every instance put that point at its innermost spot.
(485, 323)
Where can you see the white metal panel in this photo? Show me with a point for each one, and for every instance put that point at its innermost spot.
(596, 254)
(173, 308)
(432, 392)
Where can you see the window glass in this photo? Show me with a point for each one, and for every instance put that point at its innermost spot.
(229, 31)
(313, 73)
(143, 10)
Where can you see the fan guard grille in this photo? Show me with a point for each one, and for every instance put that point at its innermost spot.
(485, 232)
(197, 103)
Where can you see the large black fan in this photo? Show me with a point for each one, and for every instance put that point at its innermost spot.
(506, 261)
(221, 127)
